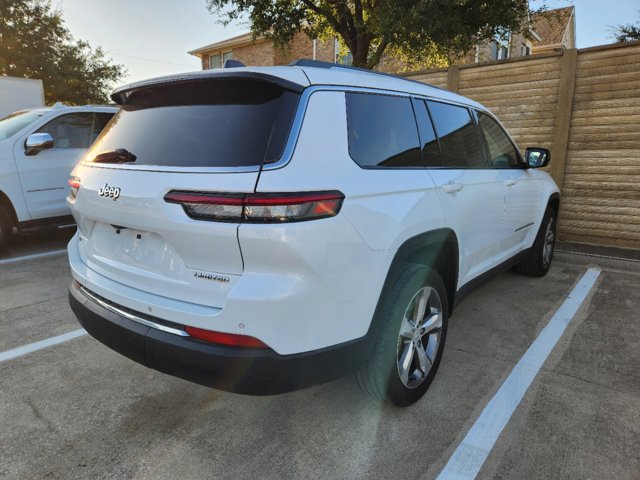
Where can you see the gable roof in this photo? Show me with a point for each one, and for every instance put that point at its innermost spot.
(552, 25)
(244, 39)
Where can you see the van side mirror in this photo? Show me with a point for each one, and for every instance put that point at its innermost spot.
(537, 157)
(37, 142)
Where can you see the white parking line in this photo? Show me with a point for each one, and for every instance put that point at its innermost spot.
(470, 455)
(33, 347)
(31, 257)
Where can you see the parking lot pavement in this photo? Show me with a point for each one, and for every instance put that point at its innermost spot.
(583, 412)
(79, 410)
(44, 241)
(33, 301)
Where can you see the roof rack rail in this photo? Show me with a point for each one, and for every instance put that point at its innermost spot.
(305, 62)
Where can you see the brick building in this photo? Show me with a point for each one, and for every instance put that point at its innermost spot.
(549, 30)
(262, 52)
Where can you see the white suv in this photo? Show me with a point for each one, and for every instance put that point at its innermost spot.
(264, 229)
(38, 149)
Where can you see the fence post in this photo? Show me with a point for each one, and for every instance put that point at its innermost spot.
(453, 74)
(563, 115)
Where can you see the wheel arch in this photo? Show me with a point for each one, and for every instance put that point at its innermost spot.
(554, 203)
(6, 204)
(437, 249)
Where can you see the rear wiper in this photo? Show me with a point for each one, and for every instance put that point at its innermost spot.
(119, 155)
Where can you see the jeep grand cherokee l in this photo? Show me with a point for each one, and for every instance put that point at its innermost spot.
(264, 229)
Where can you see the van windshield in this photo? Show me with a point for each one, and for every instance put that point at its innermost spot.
(212, 123)
(15, 122)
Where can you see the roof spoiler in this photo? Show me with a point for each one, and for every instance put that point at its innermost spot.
(120, 95)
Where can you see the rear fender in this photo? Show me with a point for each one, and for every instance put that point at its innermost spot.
(437, 249)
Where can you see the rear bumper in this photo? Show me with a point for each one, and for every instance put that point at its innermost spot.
(239, 370)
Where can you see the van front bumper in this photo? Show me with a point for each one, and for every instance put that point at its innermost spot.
(234, 369)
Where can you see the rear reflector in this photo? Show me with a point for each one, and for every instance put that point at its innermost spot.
(258, 207)
(220, 338)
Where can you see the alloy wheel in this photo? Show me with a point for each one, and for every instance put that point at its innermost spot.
(549, 239)
(419, 337)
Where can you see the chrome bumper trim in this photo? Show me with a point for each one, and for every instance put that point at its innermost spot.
(130, 316)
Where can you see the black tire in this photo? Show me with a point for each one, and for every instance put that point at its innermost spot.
(381, 374)
(5, 229)
(538, 263)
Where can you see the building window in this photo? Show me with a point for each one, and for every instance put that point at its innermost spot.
(217, 59)
(500, 47)
(525, 50)
(494, 50)
(346, 59)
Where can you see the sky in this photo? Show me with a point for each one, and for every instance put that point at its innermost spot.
(152, 37)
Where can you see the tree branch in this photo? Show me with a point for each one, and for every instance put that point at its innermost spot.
(325, 13)
(359, 16)
(377, 55)
(347, 16)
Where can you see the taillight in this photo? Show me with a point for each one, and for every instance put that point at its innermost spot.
(74, 186)
(258, 207)
(228, 339)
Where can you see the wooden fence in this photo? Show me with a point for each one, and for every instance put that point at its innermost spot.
(584, 105)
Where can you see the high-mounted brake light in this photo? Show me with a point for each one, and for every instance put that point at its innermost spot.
(74, 186)
(229, 339)
(258, 207)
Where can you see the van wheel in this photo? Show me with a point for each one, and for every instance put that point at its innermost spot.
(538, 263)
(5, 229)
(412, 328)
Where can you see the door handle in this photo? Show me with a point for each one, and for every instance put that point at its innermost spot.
(452, 187)
(510, 183)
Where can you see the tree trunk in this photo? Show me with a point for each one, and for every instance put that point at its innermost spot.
(361, 51)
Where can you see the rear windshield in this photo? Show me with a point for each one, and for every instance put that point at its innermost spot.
(213, 123)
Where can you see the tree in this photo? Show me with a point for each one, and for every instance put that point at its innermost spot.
(34, 43)
(369, 28)
(627, 33)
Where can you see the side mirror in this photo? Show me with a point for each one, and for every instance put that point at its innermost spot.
(37, 142)
(537, 157)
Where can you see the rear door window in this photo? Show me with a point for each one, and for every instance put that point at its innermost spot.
(428, 138)
(459, 139)
(213, 123)
(382, 131)
(502, 153)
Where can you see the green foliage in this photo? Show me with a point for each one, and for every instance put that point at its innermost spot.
(414, 29)
(409, 61)
(627, 33)
(34, 43)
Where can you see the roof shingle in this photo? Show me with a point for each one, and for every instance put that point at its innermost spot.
(551, 25)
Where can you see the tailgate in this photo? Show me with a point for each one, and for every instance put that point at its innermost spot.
(140, 240)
